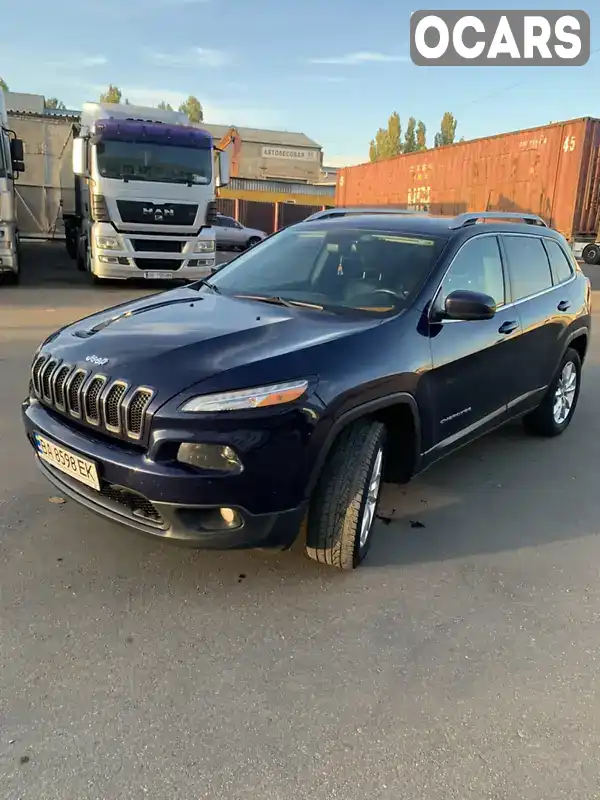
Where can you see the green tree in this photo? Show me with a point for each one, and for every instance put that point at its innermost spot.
(447, 132)
(54, 102)
(3, 85)
(111, 95)
(165, 106)
(388, 141)
(193, 108)
(410, 137)
(421, 136)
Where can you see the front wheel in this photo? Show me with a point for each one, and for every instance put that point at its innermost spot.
(556, 410)
(253, 240)
(342, 510)
(591, 254)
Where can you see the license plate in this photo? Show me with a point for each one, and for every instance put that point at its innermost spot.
(70, 463)
(159, 276)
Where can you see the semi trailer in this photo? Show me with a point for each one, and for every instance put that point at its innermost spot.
(11, 164)
(145, 194)
(552, 171)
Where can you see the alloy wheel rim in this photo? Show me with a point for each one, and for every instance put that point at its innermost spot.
(368, 515)
(564, 395)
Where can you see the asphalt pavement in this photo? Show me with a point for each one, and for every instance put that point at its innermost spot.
(459, 662)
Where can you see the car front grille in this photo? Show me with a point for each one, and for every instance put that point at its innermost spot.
(112, 406)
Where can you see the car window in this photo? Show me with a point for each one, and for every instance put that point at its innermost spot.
(559, 261)
(339, 268)
(218, 221)
(528, 264)
(476, 268)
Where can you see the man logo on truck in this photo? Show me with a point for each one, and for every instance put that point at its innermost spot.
(159, 213)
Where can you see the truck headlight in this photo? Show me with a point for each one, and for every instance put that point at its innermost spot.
(261, 397)
(107, 243)
(205, 246)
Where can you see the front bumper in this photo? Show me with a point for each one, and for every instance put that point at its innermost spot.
(8, 261)
(124, 268)
(149, 496)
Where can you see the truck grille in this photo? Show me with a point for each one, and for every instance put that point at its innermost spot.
(157, 245)
(94, 399)
(162, 264)
(157, 214)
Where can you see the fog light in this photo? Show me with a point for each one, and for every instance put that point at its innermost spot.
(209, 456)
(230, 516)
(108, 259)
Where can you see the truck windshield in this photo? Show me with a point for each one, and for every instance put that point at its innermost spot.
(348, 269)
(136, 161)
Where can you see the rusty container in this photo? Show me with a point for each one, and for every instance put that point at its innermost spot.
(553, 171)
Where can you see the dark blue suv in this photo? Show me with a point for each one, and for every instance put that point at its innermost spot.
(277, 395)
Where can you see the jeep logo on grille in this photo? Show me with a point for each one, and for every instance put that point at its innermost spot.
(99, 362)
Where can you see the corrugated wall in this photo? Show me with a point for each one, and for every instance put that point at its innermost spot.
(47, 182)
(553, 171)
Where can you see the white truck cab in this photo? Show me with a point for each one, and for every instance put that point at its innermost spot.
(145, 194)
(11, 164)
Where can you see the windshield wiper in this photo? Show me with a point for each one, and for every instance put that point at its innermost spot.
(280, 301)
(204, 282)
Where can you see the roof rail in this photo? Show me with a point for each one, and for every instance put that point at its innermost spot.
(472, 217)
(329, 213)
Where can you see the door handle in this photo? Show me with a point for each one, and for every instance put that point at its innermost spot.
(509, 326)
(564, 305)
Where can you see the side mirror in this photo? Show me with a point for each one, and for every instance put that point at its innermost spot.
(17, 153)
(469, 306)
(223, 176)
(79, 153)
(18, 166)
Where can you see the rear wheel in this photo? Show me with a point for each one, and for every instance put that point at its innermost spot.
(556, 410)
(591, 254)
(252, 241)
(342, 510)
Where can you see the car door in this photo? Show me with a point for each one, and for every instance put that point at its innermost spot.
(543, 310)
(471, 374)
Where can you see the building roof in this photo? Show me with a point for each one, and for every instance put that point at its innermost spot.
(283, 138)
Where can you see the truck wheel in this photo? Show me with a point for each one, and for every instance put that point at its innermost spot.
(82, 255)
(556, 410)
(11, 278)
(591, 254)
(342, 510)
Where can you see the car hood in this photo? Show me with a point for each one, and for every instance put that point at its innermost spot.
(182, 337)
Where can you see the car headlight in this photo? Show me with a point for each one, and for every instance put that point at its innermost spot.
(260, 397)
(205, 246)
(107, 243)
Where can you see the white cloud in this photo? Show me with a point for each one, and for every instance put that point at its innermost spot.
(196, 57)
(344, 160)
(93, 61)
(354, 59)
(213, 112)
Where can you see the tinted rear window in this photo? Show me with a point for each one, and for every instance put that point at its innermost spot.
(528, 264)
(561, 267)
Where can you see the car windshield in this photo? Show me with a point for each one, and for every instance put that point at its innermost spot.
(341, 270)
(137, 161)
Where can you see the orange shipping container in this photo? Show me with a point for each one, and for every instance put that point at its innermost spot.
(553, 171)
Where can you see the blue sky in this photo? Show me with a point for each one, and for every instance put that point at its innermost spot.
(334, 69)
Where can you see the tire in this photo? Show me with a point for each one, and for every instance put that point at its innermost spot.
(545, 421)
(339, 502)
(252, 241)
(11, 278)
(591, 254)
(82, 256)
